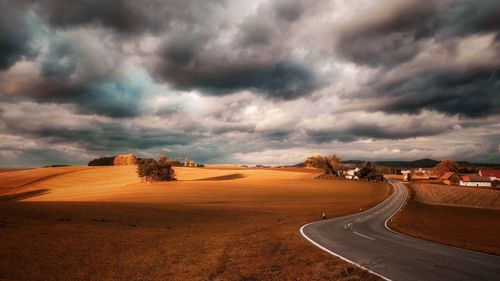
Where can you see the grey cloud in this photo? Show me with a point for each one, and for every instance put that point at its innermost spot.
(15, 35)
(389, 39)
(256, 59)
(110, 136)
(61, 61)
(289, 10)
(124, 16)
(396, 36)
(390, 43)
(74, 71)
(372, 130)
(256, 32)
(283, 79)
(472, 92)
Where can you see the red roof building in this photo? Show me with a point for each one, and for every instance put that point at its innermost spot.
(447, 175)
(475, 180)
(450, 178)
(490, 173)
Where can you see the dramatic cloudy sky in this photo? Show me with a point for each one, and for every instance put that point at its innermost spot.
(249, 81)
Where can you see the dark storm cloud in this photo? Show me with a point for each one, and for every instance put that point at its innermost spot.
(283, 80)
(256, 32)
(98, 136)
(256, 59)
(390, 40)
(124, 16)
(15, 34)
(116, 138)
(392, 34)
(114, 97)
(473, 93)
(289, 10)
(74, 71)
(61, 60)
(371, 130)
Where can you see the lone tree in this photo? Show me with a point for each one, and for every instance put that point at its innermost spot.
(152, 170)
(369, 171)
(446, 166)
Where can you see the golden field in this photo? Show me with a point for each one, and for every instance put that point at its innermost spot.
(437, 213)
(211, 224)
(459, 196)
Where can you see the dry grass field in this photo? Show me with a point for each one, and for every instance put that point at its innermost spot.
(471, 228)
(12, 181)
(211, 224)
(457, 196)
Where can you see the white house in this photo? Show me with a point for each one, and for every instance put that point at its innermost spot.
(475, 181)
(351, 174)
(406, 175)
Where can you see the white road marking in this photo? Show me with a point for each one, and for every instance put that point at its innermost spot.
(362, 235)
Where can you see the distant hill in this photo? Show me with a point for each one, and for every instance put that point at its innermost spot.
(298, 165)
(420, 163)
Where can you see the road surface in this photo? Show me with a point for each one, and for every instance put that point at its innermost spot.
(365, 240)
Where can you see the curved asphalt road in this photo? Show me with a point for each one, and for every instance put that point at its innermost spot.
(364, 239)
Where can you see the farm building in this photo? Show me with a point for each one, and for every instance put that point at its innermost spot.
(492, 174)
(476, 181)
(423, 174)
(450, 178)
(352, 174)
(406, 175)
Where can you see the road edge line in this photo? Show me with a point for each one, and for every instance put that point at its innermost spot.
(337, 255)
(397, 211)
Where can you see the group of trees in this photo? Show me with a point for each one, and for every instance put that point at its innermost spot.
(388, 170)
(446, 166)
(161, 170)
(175, 162)
(369, 171)
(152, 170)
(331, 164)
(103, 161)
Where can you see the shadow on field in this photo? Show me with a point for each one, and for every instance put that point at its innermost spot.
(223, 178)
(23, 195)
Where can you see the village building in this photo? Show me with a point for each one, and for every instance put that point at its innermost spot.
(450, 178)
(475, 181)
(423, 174)
(406, 175)
(352, 174)
(490, 173)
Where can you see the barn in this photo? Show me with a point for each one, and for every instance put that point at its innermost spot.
(475, 181)
(450, 178)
